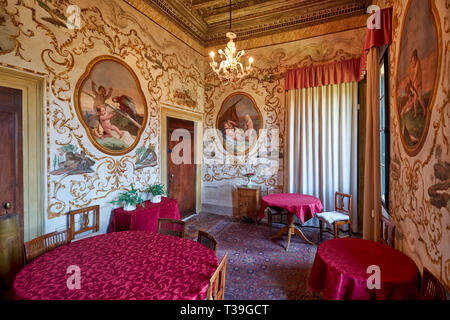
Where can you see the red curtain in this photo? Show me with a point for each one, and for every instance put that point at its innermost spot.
(342, 71)
(377, 37)
(322, 75)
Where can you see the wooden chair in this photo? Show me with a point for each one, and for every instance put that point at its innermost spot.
(387, 233)
(171, 227)
(85, 222)
(216, 289)
(45, 243)
(341, 215)
(432, 288)
(274, 211)
(207, 240)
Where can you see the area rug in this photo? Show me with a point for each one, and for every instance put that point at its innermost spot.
(260, 269)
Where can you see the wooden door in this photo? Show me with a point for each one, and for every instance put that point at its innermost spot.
(181, 177)
(11, 176)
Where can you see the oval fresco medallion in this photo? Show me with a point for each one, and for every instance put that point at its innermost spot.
(111, 105)
(239, 121)
(418, 73)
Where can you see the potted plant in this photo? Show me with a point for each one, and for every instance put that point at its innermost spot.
(156, 190)
(129, 199)
(249, 178)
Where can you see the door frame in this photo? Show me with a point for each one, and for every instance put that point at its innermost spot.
(34, 190)
(197, 118)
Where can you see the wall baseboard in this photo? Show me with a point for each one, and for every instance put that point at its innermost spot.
(217, 209)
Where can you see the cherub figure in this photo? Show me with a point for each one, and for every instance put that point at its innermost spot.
(105, 121)
(414, 86)
(101, 95)
(229, 126)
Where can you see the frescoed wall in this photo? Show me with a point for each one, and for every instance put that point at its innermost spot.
(420, 170)
(266, 87)
(35, 38)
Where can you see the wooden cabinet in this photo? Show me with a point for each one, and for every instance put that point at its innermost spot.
(249, 199)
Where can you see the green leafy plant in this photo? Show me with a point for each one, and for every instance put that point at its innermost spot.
(157, 189)
(129, 197)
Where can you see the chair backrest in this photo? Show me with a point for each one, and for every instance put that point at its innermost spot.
(85, 223)
(216, 289)
(340, 203)
(275, 189)
(171, 227)
(432, 288)
(42, 244)
(387, 232)
(207, 240)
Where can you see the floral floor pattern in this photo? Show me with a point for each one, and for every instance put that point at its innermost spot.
(259, 268)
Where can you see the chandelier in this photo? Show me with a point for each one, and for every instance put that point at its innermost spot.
(230, 67)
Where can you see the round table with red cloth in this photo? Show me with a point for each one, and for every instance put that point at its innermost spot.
(129, 265)
(144, 218)
(340, 271)
(301, 205)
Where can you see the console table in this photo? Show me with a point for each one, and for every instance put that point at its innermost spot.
(144, 218)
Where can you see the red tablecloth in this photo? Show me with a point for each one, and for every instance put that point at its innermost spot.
(303, 206)
(125, 265)
(340, 271)
(146, 218)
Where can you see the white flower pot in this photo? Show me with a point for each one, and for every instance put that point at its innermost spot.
(156, 199)
(129, 207)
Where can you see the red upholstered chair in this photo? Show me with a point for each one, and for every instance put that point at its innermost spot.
(172, 227)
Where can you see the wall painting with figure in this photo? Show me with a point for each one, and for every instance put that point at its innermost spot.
(111, 105)
(239, 121)
(418, 73)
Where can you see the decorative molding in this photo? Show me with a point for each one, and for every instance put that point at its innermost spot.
(208, 21)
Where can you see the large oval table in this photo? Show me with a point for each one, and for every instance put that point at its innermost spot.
(301, 205)
(340, 271)
(129, 265)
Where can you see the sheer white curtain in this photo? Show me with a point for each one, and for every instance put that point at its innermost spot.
(322, 153)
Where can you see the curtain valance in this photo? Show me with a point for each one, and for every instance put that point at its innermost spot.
(343, 71)
(377, 37)
(322, 75)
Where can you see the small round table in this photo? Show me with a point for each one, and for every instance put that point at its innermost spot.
(129, 265)
(301, 205)
(344, 269)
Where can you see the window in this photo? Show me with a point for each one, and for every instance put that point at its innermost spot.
(384, 129)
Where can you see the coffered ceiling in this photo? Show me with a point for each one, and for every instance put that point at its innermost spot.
(208, 20)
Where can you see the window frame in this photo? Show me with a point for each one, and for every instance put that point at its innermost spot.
(384, 60)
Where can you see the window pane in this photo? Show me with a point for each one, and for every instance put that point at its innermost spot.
(382, 115)
(382, 82)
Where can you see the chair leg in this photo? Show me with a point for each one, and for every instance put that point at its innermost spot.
(269, 217)
(321, 229)
(336, 230)
(349, 229)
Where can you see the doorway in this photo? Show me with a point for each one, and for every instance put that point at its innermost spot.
(181, 157)
(30, 140)
(181, 167)
(11, 155)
